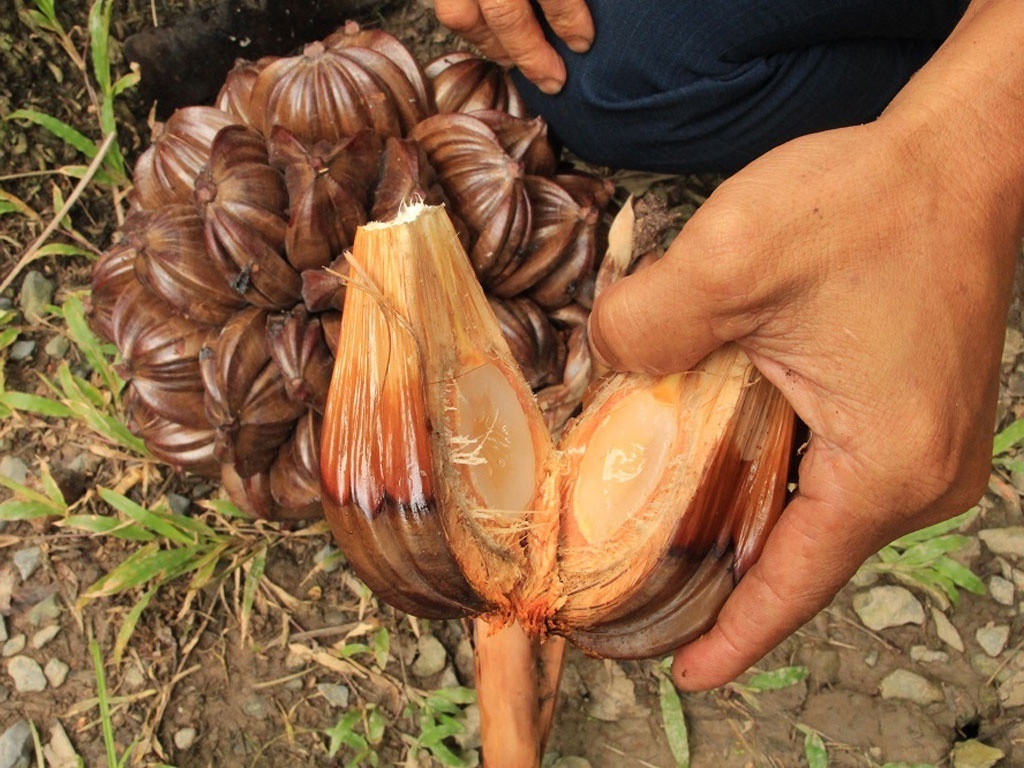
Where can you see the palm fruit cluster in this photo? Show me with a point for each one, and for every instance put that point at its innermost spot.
(225, 289)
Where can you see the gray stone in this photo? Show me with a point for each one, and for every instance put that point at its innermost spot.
(337, 695)
(887, 606)
(27, 675)
(57, 347)
(469, 736)
(14, 645)
(14, 469)
(27, 561)
(925, 655)
(1001, 590)
(973, 754)
(22, 350)
(16, 746)
(60, 752)
(56, 672)
(36, 293)
(992, 638)
(184, 738)
(430, 658)
(464, 658)
(45, 611)
(1004, 541)
(45, 635)
(1013, 345)
(946, 631)
(3, 630)
(255, 707)
(1011, 691)
(179, 504)
(904, 684)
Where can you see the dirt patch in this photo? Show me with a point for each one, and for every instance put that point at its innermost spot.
(267, 660)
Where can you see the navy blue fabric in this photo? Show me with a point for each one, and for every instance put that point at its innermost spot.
(708, 85)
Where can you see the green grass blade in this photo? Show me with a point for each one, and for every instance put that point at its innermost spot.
(814, 748)
(124, 634)
(156, 522)
(58, 128)
(73, 312)
(106, 525)
(104, 702)
(935, 530)
(24, 510)
(254, 572)
(37, 404)
(146, 565)
(1009, 437)
(674, 721)
(777, 679)
(28, 494)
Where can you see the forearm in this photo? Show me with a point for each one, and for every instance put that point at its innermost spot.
(966, 106)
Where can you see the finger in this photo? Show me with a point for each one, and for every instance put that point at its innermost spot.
(571, 21)
(815, 548)
(465, 19)
(517, 30)
(651, 322)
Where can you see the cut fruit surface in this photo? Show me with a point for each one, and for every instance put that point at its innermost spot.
(491, 439)
(447, 494)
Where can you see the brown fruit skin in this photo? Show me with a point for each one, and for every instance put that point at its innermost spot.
(254, 169)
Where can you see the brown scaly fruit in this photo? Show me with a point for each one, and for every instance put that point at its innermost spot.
(225, 290)
(449, 496)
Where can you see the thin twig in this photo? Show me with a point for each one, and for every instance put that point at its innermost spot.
(30, 253)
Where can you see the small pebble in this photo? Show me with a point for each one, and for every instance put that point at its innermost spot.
(27, 561)
(56, 672)
(1002, 590)
(1004, 541)
(14, 645)
(27, 675)
(888, 606)
(3, 630)
(904, 684)
(946, 631)
(179, 504)
(255, 707)
(184, 738)
(1011, 691)
(45, 611)
(926, 655)
(22, 349)
(16, 746)
(60, 752)
(14, 469)
(45, 635)
(431, 657)
(992, 639)
(974, 754)
(57, 347)
(337, 695)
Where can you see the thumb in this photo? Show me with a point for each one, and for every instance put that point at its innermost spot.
(656, 320)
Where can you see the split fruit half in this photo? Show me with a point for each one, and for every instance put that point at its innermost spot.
(450, 497)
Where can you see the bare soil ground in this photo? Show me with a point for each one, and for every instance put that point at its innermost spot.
(207, 680)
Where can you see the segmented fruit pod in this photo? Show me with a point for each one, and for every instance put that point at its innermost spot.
(328, 187)
(246, 399)
(449, 496)
(330, 93)
(172, 261)
(296, 342)
(251, 205)
(485, 185)
(464, 82)
(236, 92)
(537, 347)
(242, 200)
(295, 473)
(165, 173)
(159, 355)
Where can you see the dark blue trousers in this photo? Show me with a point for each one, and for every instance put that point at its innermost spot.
(708, 85)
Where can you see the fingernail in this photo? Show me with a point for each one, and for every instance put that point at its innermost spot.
(578, 44)
(550, 86)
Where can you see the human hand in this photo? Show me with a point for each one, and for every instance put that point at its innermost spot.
(508, 32)
(866, 271)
